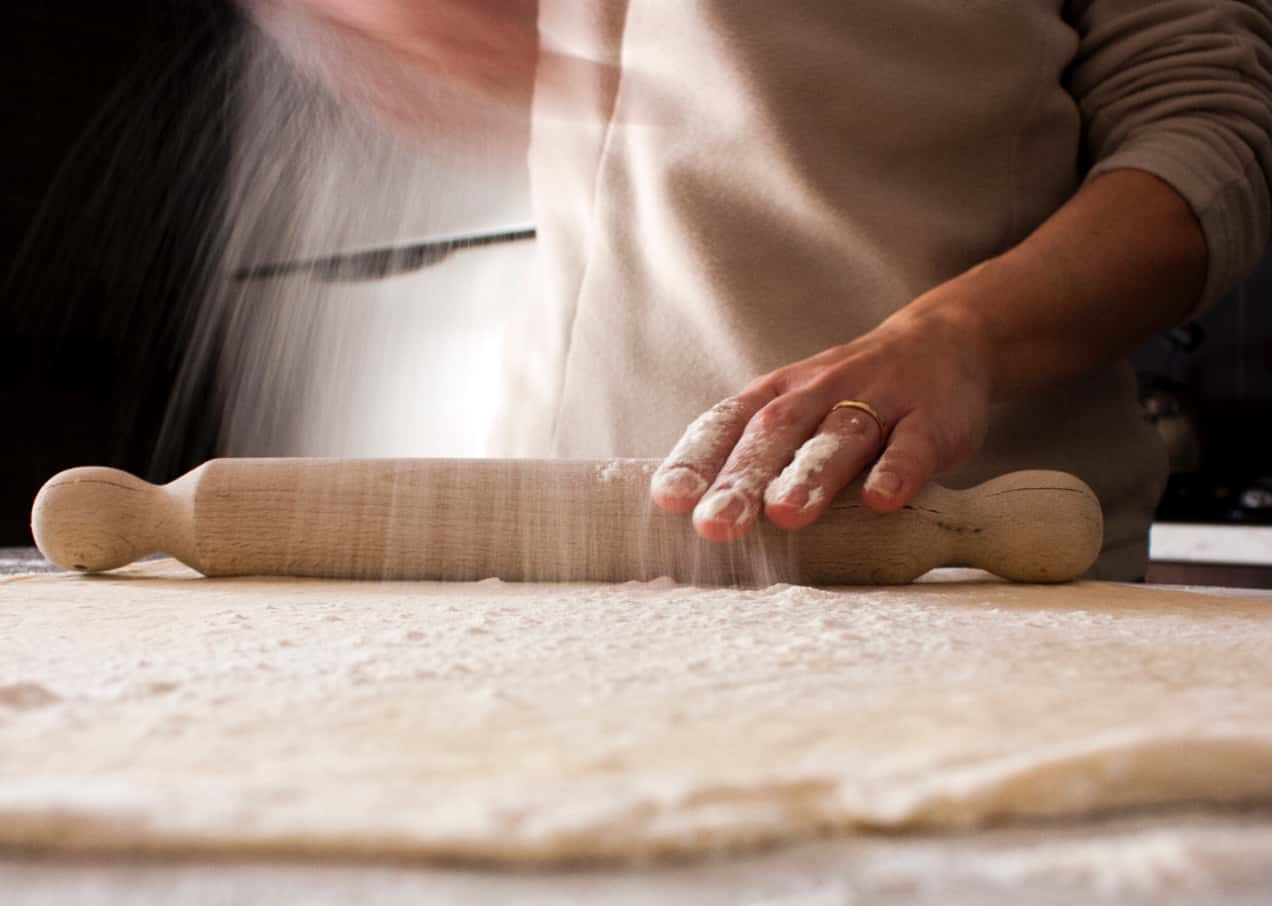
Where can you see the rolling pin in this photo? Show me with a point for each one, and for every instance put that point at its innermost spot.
(532, 520)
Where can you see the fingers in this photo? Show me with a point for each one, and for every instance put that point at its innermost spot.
(742, 458)
(912, 457)
(757, 453)
(736, 498)
(846, 442)
(700, 454)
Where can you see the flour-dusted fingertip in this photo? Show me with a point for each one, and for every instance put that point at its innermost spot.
(724, 515)
(677, 489)
(797, 511)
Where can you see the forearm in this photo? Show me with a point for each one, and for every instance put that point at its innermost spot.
(1125, 258)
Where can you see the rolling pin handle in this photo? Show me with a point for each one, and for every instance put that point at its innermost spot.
(92, 518)
(1035, 526)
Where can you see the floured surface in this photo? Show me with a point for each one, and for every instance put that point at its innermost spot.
(543, 723)
(1218, 859)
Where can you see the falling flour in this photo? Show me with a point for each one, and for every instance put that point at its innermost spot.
(743, 493)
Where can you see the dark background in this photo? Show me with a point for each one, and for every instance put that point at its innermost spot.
(113, 143)
(115, 136)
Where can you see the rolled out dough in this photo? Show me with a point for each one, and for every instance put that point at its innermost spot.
(153, 709)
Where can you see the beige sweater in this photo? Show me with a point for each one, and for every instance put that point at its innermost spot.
(767, 179)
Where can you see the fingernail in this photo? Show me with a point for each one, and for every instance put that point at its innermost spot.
(886, 483)
(724, 506)
(781, 493)
(678, 481)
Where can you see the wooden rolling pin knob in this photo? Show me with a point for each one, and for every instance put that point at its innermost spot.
(94, 519)
(528, 520)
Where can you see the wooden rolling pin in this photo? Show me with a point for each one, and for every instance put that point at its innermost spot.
(527, 520)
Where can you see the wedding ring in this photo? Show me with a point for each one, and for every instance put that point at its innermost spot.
(866, 408)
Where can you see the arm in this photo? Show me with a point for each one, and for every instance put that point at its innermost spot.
(1177, 99)
(1125, 258)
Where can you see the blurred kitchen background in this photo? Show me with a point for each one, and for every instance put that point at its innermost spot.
(336, 318)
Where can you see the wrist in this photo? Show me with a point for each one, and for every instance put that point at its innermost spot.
(947, 321)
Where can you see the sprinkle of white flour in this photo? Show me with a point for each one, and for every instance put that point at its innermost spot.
(807, 465)
(540, 723)
(701, 438)
(609, 472)
(745, 490)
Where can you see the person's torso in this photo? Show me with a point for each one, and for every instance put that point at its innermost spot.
(762, 181)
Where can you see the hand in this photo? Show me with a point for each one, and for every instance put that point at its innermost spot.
(777, 448)
(491, 45)
(423, 62)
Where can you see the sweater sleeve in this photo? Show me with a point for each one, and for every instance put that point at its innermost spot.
(1183, 89)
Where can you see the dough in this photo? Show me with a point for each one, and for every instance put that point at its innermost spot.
(153, 709)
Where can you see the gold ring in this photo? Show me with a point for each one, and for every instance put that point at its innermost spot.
(866, 408)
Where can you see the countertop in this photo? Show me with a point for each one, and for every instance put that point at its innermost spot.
(17, 560)
(1214, 856)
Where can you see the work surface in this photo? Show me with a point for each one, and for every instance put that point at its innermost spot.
(242, 724)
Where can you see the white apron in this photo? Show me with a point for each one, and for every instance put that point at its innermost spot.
(765, 180)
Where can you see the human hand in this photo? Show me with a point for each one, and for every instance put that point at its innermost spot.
(401, 56)
(488, 45)
(778, 448)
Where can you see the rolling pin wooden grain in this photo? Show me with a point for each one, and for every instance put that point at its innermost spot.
(531, 520)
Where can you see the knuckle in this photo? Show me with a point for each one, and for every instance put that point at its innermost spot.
(780, 415)
(950, 442)
(840, 376)
(828, 385)
(904, 460)
(730, 406)
(762, 389)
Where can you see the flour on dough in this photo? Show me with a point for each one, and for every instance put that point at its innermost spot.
(523, 723)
